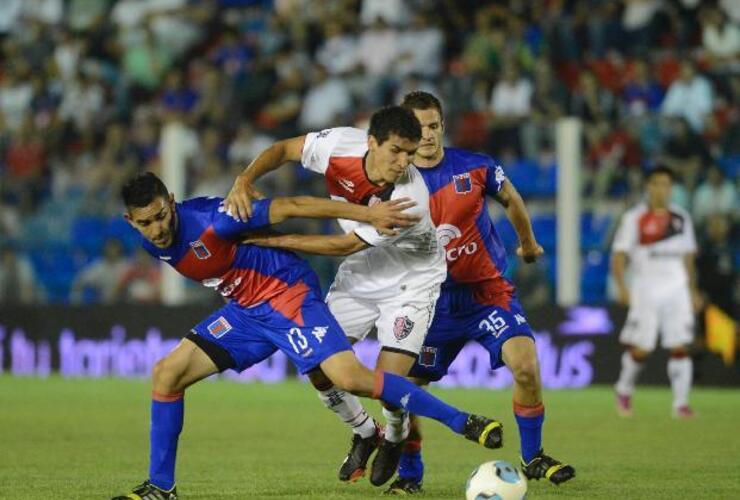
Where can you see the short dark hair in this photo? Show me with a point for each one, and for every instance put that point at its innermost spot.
(660, 170)
(142, 189)
(394, 120)
(418, 99)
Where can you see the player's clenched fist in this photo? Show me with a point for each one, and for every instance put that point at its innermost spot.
(530, 252)
(239, 200)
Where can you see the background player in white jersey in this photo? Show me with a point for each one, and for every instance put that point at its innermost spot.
(657, 239)
(390, 282)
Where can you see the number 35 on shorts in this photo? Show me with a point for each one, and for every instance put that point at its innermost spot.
(496, 323)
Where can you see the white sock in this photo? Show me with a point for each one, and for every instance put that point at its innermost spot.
(396, 425)
(348, 407)
(625, 386)
(680, 372)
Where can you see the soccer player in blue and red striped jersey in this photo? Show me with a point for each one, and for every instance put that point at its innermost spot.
(477, 302)
(274, 302)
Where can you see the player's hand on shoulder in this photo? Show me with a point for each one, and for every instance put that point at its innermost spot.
(239, 200)
(388, 216)
(530, 251)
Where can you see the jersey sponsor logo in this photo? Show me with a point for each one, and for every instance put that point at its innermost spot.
(428, 356)
(463, 183)
(446, 234)
(347, 184)
(323, 133)
(219, 328)
(200, 250)
(402, 327)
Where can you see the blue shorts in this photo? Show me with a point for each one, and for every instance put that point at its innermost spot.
(246, 336)
(458, 320)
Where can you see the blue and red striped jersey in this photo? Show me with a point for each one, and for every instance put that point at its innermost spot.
(476, 257)
(206, 248)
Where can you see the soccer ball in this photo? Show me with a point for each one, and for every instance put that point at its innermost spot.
(497, 480)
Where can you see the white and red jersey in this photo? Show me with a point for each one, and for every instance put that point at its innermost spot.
(410, 260)
(656, 243)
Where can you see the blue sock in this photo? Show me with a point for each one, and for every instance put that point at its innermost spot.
(411, 466)
(530, 419)
(399, 392)
(167, 417)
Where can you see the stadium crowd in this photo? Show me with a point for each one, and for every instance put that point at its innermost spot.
(86, 87)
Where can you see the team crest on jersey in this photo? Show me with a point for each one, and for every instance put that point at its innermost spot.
(402, 327)
(200, 250)
(463, 183)
(219, 328)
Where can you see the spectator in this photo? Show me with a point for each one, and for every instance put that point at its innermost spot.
(17, 279)
(689, 97)
(511, 103)
(642, 94)
(590, 102)
(684, 152)
(549, 102)
(716, 266)
(326, 103)
(421, 46)
(140, 281)
(715, 196)
(720, 37)
(145, 63)
(338, 52)
(100, 278)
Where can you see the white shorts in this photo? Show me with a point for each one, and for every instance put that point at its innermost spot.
(672, 316)
(402, 322)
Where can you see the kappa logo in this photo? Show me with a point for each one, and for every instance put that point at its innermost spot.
(405, 400)
(402, 327)
(463, 183)
(219, 328)
(347, 184)
(200, 250)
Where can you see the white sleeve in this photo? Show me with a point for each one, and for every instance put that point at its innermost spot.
(318, 148)
(626, 236)
(689, 236)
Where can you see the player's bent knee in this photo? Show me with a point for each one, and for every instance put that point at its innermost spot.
(525, 372)
(165, 377)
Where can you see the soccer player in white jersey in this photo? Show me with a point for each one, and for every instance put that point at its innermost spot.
(390, 283)
(657, 240)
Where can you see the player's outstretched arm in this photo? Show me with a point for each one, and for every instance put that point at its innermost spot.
(337, 245)
(239, 200)
(385, 216)
(517, 213)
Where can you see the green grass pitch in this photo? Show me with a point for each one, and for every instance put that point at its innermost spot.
(84, 439)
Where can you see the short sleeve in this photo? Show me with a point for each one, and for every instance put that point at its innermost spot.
(230, 227)
(689, 236)
(626, 235)
(318, 148)
(495, 178)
